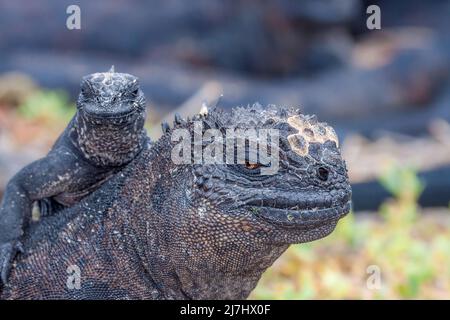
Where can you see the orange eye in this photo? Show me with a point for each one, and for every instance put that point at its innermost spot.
(252, 166)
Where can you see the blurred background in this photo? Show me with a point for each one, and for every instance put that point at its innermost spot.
(387, 93)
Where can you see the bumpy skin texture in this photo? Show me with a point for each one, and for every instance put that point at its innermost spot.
(105, 134)
(157, 230)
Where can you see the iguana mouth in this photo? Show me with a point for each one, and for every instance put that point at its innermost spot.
(109, 115)
(290, 210)
(115, 119)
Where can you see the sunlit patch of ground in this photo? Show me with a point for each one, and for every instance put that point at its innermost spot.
(413, 257)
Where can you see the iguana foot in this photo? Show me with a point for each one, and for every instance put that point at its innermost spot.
(8, 252)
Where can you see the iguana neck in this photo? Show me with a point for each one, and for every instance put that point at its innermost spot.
(186, 256)
(197, 276)
(109, 144)
(223, 283)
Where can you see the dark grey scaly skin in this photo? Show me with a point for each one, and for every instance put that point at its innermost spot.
(158, 230)
(105, 134)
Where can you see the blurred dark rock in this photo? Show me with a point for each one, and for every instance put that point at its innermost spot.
(350, 97)
(266, 38)
(369, 195)
(316, 54)
(322, 12)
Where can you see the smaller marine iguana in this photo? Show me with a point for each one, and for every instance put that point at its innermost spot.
(106, 133)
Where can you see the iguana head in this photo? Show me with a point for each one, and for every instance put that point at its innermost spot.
(111, 97)
(300, 201)
(110, 118)
(227, 221)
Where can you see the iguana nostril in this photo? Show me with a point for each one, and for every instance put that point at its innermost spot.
(322, 173)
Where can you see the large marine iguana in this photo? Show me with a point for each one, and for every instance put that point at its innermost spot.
(105, 134)
(158, 230)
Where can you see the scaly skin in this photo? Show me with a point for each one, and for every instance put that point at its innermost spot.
(105, 134)
(158, 230)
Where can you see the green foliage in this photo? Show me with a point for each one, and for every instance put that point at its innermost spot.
(47, 106)
(402, 182)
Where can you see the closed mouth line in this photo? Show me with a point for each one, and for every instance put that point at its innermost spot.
(298, 203)
(289, 217)
(110, 116)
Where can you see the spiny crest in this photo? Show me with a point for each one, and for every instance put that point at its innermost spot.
(300, 130)
(258, 116)
(204, 109)
(251, 116)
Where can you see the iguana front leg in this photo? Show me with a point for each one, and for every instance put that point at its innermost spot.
(41, 179)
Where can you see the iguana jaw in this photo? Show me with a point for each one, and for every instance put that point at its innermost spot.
(301, 218)
(92, 113)
(300, 210)
(117, 120)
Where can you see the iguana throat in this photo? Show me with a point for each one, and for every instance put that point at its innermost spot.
(113, 143)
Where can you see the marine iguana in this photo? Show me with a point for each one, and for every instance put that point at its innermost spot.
(158, 230)
(105, 134)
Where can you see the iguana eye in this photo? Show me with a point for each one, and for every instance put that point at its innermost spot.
(323, 173)
(252, 166)
(249, 169)
(86, 90)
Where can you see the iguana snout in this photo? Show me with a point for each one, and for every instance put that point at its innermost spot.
(110, 95)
